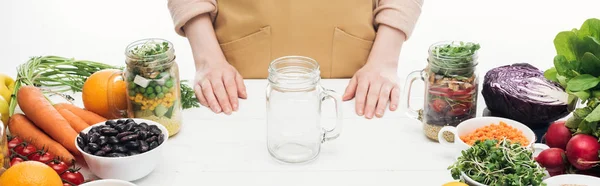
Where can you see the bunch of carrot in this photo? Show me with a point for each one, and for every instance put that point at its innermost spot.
(53, 127)
(497, 132)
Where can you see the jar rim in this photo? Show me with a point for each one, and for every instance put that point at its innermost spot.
(450, 42)
(312, 75)
(144, 41)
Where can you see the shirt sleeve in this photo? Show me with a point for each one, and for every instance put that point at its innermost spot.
(184, 10)
(399, 14)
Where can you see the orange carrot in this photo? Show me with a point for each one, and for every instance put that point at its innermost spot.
(497, 132)
(76, 122)
(41, 112)
(22, 127)
(89, 117)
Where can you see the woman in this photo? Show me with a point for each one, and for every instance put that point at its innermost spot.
(236, 39)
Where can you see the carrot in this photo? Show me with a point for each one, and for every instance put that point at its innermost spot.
(22, 127)
(89, 117)
(497, 132)
(76, 122)
(41, 112)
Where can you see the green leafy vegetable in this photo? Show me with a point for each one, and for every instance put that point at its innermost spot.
(454, 59)
(583, 82)
(496, 163)
(188, 97)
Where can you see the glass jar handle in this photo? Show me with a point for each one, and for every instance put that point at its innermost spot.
(114, 111)
(331, 134)
(410, 79)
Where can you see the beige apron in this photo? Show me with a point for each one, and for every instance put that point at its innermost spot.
(338, 34)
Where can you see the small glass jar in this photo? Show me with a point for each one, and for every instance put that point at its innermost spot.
(153, 84)
(451, 87)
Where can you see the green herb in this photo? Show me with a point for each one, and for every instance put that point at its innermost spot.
(188, 97)
(454, 60)
(498, 164)
(577, 69)
(150, 49)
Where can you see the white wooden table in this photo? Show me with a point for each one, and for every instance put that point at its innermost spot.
(230, 150)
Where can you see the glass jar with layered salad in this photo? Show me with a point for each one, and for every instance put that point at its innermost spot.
(152, 77)
(451, 87)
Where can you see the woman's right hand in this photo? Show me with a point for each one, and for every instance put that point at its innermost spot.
(218, 85)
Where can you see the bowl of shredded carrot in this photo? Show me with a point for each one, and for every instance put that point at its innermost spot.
(482, 128)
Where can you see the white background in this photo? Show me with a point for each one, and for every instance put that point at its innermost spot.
(230, 150)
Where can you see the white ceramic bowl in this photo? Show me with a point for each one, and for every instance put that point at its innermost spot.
(470, 125)
(108, 182)
(572, 179)
(125, 168)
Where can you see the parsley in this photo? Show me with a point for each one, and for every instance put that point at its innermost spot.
(454, 59)
(188, 97)
(499, 164)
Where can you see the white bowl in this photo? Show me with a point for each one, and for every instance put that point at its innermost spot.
(108, 182)
(128, 168)
(572, 179)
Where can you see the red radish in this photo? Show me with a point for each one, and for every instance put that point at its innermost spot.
(558, 135)
(582, 151)
(553, 159)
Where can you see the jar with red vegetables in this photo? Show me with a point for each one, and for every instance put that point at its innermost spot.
(451, 87)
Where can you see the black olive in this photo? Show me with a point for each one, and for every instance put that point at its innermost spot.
(94, 147)
(153, 127)
(128, 127)
(121, 121)
(100, 153)
(134, 152)
(129, 121)
(113, 140)
(132, 144)
(80, 142)
(153, 145)
(120, 128)
(128, 138)
(102, 140)
(161, 139)
(123, 134)
(120, 148)
(109, 132)
(143, 146)
(84, 137)
(115, 154)
(143, 126)
(92, 138)
(143, 135)
(156, 131)
(151, 139)
(87, 149)
(111, 123)
(106, 148)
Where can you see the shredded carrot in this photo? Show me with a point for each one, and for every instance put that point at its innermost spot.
(497, 132)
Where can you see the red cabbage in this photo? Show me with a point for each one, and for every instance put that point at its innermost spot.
(522, 93)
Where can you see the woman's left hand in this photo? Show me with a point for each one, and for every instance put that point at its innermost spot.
(373, 87)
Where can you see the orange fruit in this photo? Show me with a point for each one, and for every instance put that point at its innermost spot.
(30, 173)
(105, 93)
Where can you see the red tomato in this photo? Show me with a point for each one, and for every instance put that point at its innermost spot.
(72, 176)
(67, 184)
(16, 160)
(58, 166)
(25, 149)
(14, 143)
(438, 105)
(41, 156)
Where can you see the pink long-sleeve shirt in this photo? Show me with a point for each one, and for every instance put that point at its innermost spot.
(399, 14)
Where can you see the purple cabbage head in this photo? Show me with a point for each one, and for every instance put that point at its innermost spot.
(522, 93)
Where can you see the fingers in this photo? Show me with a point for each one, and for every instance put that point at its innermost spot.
(395, 98)
(200, 96)
(207, 90)
(221, 94)
(232, 92)
(384, 97)
(361, 96)
(350, 90)
(241, 87)
(372, 97)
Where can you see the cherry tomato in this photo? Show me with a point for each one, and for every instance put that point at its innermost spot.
(67, 184)
(16, 160)
(438, 105)
(14, 143)
(72, 176)
(25, 149)
(458, 110)
(41, 156)
(58, 166)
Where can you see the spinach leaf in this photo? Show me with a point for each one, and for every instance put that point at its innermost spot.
(551, 74)
(590, 27)
(583, 95)
(582, 82)
(590, 64)
(564, 67)
(566, 44)
(594, 116)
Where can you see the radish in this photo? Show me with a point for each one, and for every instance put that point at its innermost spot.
(558, 135)
(582, 151)
(553, 159)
